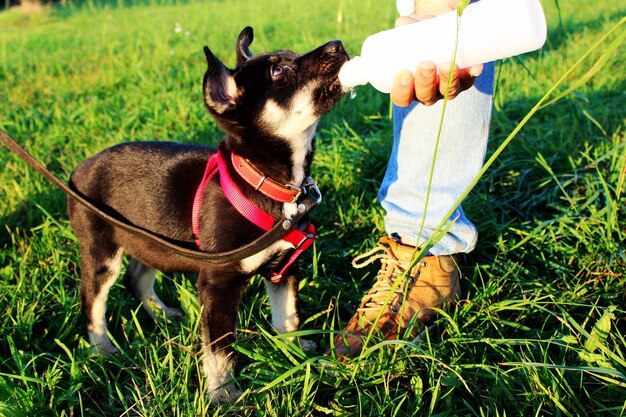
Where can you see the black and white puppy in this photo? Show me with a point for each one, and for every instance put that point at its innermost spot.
(269, 106)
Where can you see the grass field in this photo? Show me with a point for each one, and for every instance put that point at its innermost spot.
(539, 330)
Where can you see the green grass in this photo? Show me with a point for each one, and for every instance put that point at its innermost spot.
(539, 330)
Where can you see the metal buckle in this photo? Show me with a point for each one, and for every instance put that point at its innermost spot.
(311, 189)
(298, 194)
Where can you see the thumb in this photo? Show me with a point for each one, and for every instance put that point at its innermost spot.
(407, 20)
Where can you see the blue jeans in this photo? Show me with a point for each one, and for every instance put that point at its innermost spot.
(460, 155)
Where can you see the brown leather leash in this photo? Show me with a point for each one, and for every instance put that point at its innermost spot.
(310, 198)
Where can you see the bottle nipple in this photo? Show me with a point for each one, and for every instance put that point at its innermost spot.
(353, 73)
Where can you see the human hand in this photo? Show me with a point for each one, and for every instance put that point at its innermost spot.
(426, 85)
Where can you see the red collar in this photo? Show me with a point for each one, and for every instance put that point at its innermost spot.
(284, 193)
(300, 239)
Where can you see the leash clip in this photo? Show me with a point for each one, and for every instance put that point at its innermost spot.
(308, 196)
(311, 189)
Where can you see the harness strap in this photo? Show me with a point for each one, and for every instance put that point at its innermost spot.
(247, 208)
(300, 239)
(209, 172)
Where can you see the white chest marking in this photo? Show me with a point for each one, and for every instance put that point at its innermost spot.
(296, 125)
(252, 263)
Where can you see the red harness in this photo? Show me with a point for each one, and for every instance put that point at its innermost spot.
(300, 239)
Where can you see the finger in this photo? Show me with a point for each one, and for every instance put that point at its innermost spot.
(449, 80)
(402, 92)
(475, 70)
(426, 83)
(467, 77)
(436, 7)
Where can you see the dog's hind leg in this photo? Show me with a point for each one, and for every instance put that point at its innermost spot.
(99, 271)
(283, 299)
(139, 280)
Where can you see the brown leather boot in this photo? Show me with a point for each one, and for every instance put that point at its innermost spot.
(390, 306)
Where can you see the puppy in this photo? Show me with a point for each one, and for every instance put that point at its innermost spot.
(268, 106)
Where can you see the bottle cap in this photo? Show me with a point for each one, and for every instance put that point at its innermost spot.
(353, 73)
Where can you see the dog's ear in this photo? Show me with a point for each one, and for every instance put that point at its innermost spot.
(243, 44)
(219, 87)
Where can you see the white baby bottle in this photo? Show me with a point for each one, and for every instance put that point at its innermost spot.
(487, 30)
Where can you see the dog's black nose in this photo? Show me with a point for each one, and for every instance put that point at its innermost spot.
(334, 47)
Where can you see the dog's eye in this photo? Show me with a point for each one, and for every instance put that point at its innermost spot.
(276, 71)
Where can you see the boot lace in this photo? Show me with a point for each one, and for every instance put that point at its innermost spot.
(392, 268)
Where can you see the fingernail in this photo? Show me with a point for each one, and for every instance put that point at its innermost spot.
(405, 79)
(427, 72)
(475, 72)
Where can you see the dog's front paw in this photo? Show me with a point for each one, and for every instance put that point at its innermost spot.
(308, 346)
(106, 351)
(154, 306)
(174, 313)
(218, 369)
(102, 345)
(224, 395)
